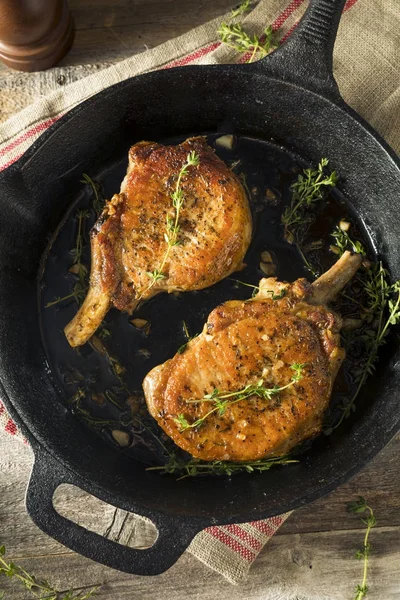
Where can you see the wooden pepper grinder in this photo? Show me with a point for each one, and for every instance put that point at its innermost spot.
(34, 34)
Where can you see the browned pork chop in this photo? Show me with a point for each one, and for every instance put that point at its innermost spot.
(128, 241)
(246, 342)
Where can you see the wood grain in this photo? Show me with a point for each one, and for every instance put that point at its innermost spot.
(310, 558)
(107, 32)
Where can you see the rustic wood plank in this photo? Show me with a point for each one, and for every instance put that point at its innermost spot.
(107, 32)
(379, 482)
(91, 14)
(299, 562)
(311, 566)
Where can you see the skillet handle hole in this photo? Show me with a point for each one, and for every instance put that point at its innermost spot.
(93, 514)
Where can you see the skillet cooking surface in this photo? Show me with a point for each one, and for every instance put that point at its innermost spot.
(268, 171)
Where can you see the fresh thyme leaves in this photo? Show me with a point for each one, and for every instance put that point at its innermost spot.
(103, 332)
(275, 296)
(182, 347)
(195, 467)
(360, 506)
(185, 330)
(76, 293)
(256, 289)
(379, 306)
(76, 252)
(98, 200)
(172, 225)
(307, 263)
(77, 268)
(40, 588)
(189, 338)
(85, 415)
(344, 242)
(234, 36)
(182, 422)
(100, 423)
(222, 400)
(241, 10)
(306, 191)
(383, 311)
(112, 398)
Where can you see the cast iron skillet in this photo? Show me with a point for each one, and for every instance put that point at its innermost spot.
(290, 96)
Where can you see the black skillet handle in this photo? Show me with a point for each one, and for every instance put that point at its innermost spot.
(306, 57)
(173, 536)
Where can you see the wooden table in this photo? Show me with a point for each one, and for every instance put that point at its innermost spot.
(312, 555)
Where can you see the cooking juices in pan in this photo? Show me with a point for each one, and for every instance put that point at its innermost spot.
(101, 381)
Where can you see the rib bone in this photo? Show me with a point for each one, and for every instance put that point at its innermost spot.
(325, 288)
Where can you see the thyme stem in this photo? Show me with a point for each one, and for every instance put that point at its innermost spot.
(79, 269)
(235, 37)
(98, 202)
(40, 589)
(172, 229)
(222, 399)
(197, 468)
(360, 506)
(379, 293)
(306, 191)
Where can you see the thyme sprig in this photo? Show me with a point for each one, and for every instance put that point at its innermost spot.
(379, 304)
(223, 400)
(195, 467)
(76, 252)
(384, 312)
(256, 289)
(98, 199)
(360, 506)
(172, 224)
(309, 189)
(345, 242)
(234, 36)
(241, 10)
(77, 293)
(40, 588)
(189, 338)
(97, 423)
(77, 268)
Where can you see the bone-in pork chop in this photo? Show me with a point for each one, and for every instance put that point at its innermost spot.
(129, 242)
(286, 337)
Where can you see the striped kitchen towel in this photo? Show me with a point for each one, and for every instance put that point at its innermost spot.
(367, 68)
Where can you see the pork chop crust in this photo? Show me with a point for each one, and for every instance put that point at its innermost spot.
(244, 342)
(215, 221)
(128, 242)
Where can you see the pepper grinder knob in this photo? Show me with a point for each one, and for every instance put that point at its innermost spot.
(34, 34)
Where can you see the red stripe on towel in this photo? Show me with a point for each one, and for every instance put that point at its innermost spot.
(233, 544)
(245, 536)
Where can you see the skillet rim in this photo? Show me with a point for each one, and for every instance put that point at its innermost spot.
(260, 68)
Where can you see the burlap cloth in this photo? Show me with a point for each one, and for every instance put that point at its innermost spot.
(367, 68)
